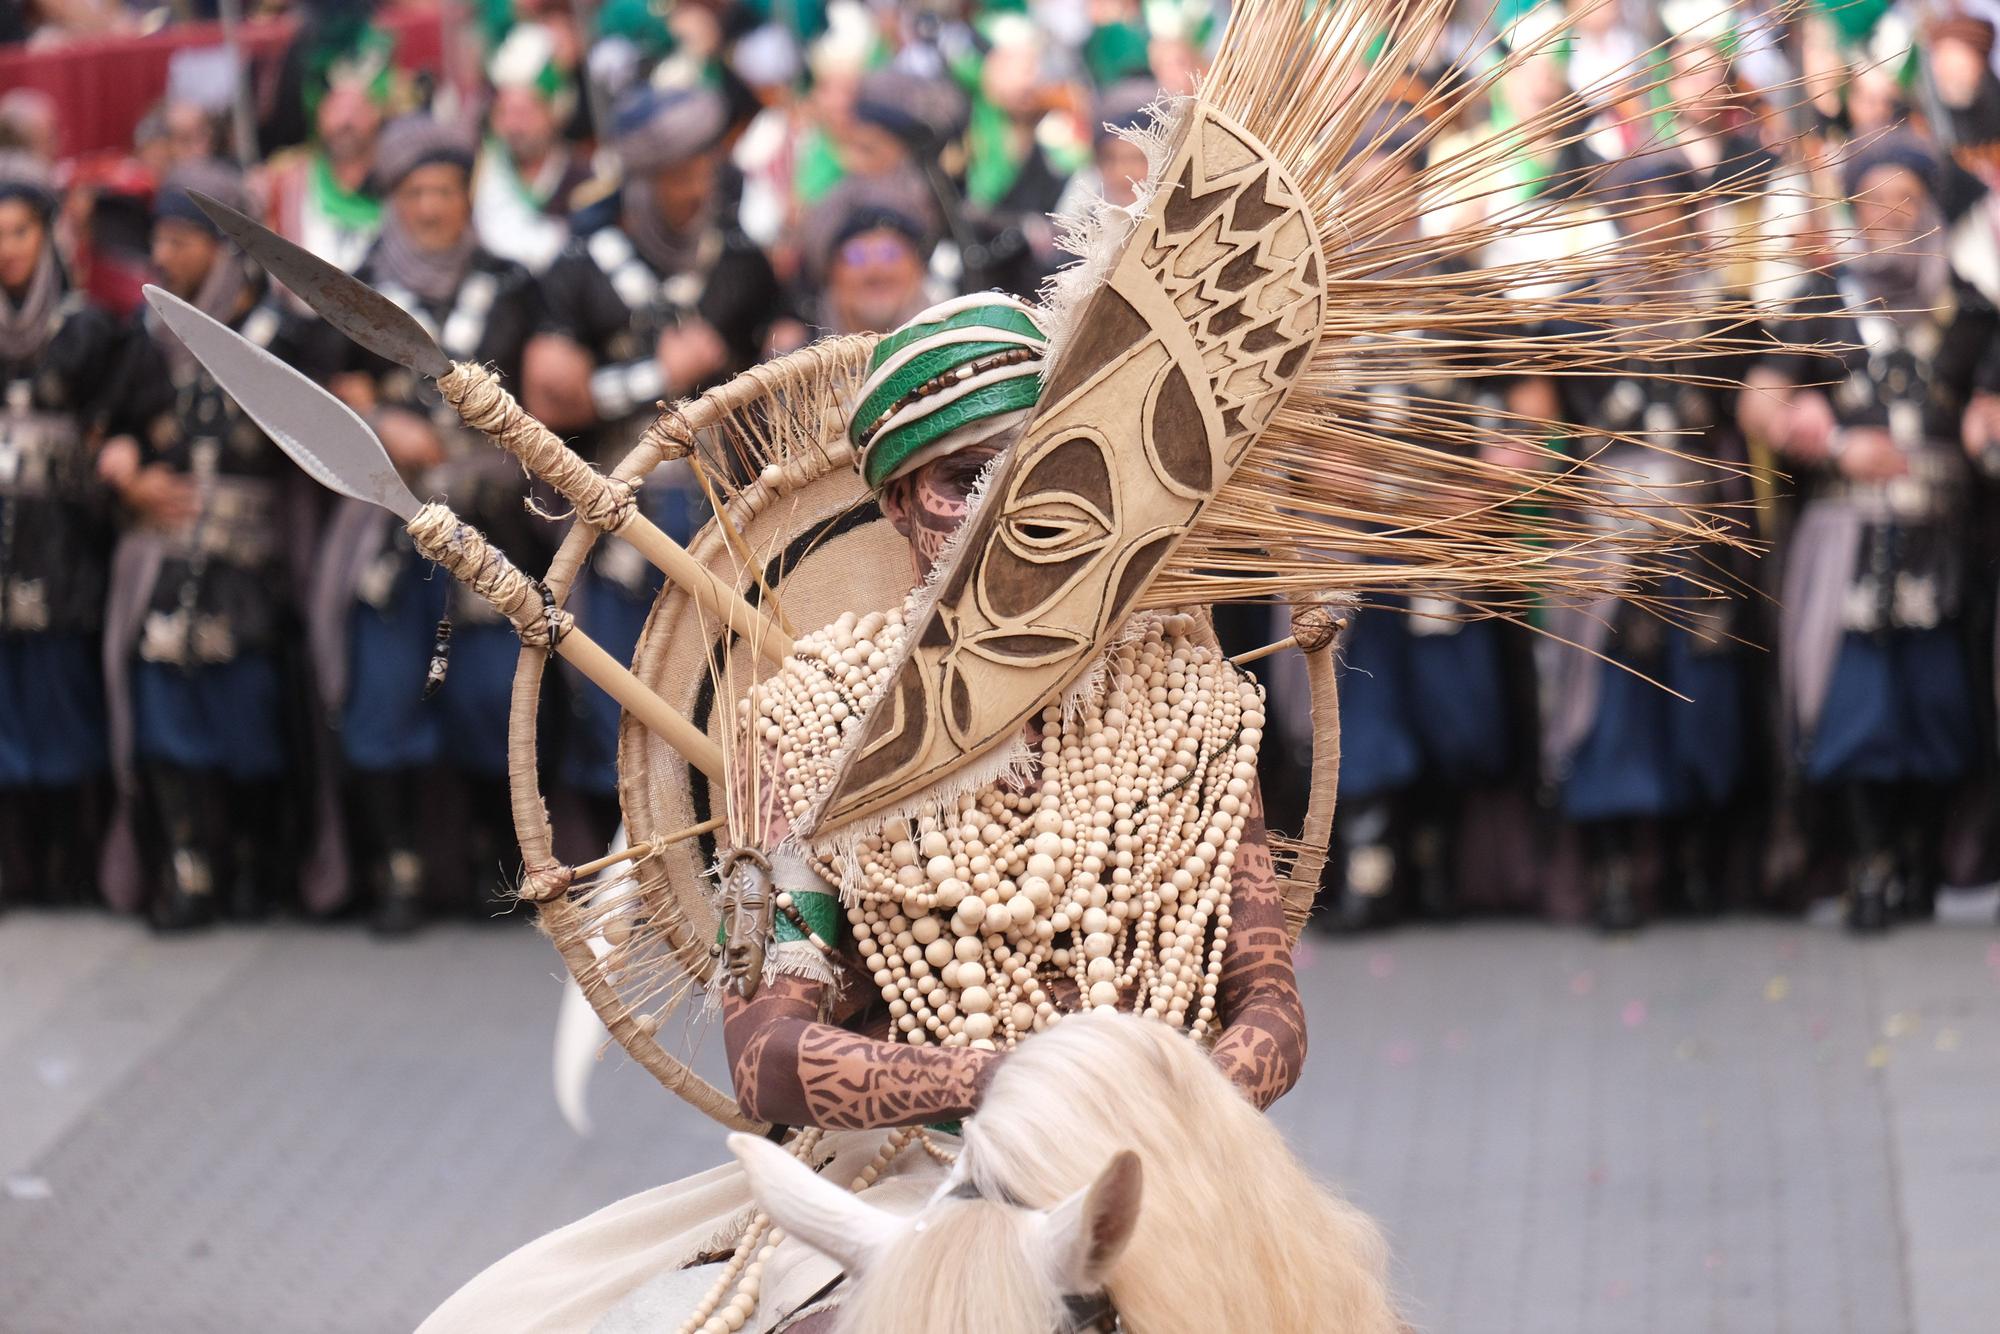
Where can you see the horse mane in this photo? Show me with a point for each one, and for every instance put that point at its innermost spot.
(969, 1267)
(1233, 1232)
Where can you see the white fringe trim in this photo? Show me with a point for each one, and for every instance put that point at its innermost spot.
(789, 958)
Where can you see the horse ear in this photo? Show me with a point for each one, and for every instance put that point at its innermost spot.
(811, 1208)
(1088, 1232)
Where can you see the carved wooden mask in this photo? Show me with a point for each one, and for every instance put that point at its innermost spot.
(1174, 366)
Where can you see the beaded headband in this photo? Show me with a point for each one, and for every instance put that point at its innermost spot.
(958, 374)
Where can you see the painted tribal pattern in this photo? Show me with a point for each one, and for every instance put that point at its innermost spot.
(1174, 366)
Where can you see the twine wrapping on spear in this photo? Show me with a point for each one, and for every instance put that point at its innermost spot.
(463, 551)
(474, 392)
(608, 504)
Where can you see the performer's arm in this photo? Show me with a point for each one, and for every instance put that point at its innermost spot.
(1263, 1046)
(791, 1068)
(794, 1070)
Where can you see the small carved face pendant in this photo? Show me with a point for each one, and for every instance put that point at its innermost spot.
(747, 902)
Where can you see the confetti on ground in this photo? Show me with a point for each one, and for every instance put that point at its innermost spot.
(1583, 983)
(1457, 1039)
(1381, 964)
(1634, 1013)
(1400, 1053)
(55, 1071)
(1686, 1049)
(1597, 1175)
(1946, 1040)
(1712, 1261)
(23, 1186)
(1618, 1289)
(1878, 1056)
(1901, 1024)
(1778, 988)
(1818, 1027)
(1788, 948)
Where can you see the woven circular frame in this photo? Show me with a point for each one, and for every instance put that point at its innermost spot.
(656, 787)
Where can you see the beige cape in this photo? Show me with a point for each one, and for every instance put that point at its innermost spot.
(625, 1268)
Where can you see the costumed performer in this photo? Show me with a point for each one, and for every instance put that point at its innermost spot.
(967, 933)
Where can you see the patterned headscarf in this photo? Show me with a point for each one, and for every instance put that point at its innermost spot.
(961, 373)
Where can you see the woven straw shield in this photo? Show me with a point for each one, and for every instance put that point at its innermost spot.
(640, 939)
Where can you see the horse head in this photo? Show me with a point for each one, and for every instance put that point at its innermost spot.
(964, 1262)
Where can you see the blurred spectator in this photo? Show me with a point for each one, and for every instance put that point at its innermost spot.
(528, 176)
(875, 278)
(28, 119)
(203, 676)
(1023, 141)
(661, 299)
(192, 133)
(375, 604)
(767, 59)
(1645, 777)
(1878, 696)
(1605, 45)
(1117, 165)
(887, 157)
(54, 540)
(320, 194)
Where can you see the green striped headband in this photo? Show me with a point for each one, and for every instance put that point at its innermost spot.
(960, 373)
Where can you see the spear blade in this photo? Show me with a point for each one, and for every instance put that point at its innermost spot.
(344, 456)
(344, 301)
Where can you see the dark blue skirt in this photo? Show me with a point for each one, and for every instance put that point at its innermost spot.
(226, 717)
(614, 615)
(386, 723)
(1416, 707)
(1649, 754)
(52, 730)
(1898, 710)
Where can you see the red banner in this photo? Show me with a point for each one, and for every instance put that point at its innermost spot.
(103, 86)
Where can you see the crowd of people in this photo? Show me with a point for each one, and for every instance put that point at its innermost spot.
(213, 683)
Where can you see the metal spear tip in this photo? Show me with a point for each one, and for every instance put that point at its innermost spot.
(342, 300)
(344, 454)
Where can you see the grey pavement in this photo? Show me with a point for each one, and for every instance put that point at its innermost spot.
(1749, 1126)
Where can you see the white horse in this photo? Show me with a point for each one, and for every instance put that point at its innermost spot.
(1109, 1158)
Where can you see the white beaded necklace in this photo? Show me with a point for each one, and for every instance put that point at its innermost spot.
(1112, 868)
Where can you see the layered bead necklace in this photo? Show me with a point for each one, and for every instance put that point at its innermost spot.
(1110, 868)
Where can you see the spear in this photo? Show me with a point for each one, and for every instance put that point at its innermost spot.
(348, 458)
(386, 329)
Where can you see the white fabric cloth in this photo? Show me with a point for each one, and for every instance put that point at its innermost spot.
(620, 1269)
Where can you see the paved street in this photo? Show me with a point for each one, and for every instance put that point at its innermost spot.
(1753, 1126)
